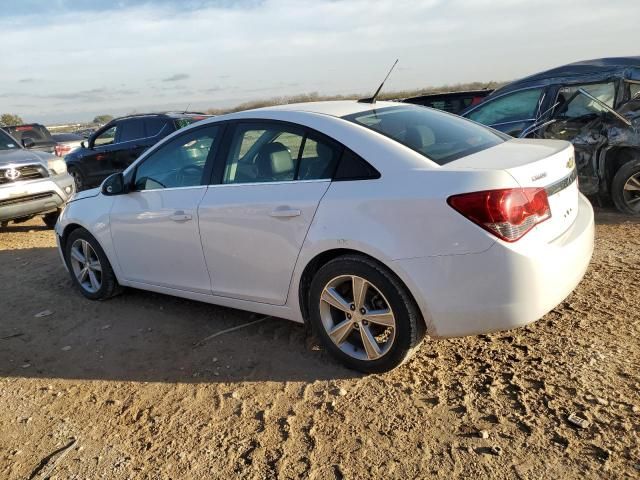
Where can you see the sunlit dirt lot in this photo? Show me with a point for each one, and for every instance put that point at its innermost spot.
(126, 389)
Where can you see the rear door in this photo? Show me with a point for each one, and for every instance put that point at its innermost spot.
(254, 220)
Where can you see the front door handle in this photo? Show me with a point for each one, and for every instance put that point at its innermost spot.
(180, 216)
(285, 212)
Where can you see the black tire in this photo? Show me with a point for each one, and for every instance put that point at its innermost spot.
(409, 325)
(624, 199)
(78, 178)
(109, 284)
(51, 218)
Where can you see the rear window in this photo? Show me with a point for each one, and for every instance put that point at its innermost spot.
(439, 136)
(186, 121)
(38, 133)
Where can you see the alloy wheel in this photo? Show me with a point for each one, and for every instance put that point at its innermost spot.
(357, 317)
(86, 265)
(631, 192)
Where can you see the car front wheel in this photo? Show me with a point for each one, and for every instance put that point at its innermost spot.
(364, 315)
(90, 269)
(625, 187)
(78, 179)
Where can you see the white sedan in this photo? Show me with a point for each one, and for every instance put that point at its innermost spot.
(376, 223)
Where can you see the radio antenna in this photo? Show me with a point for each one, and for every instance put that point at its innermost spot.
(375, 95)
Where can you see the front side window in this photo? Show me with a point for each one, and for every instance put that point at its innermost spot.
(278, 153)
(512, 107)
(634, 90)
(178, 163)
(106, 138)
(439, 136)
(573, 104)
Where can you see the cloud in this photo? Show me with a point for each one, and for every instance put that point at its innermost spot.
(264, 48)
(26, 80)
(176, 78)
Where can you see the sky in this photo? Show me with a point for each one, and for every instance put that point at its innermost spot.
(70, 60)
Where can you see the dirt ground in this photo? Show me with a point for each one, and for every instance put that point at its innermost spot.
(123, 389)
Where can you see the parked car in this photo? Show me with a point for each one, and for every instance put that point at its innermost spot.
(31, 183)
(32, 136)
(66, 143)
(374, 222)
(594, 104)
(452, 102)
(116, 145)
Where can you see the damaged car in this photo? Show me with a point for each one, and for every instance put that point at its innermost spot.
(595, 105)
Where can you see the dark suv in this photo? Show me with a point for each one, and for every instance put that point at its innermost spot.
(595, 105)
(115, 146)
(32, 136)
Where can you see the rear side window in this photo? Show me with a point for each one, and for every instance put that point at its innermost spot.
(267, 152)
(438, 136)
(353, 167)
(154, 126)
(512, 107)
(131, 130)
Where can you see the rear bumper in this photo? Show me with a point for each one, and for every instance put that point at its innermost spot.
(507, 286)
(24, 199)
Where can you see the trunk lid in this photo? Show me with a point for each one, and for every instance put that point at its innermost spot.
(548, 164)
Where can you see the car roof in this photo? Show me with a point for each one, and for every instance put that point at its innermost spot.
(584, 71)
(335, 108)
(164, 115)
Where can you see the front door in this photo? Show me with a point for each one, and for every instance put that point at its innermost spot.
(254, 222)
(155, 227)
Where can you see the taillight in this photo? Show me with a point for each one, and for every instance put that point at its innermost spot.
(61, 150)
(507, 213)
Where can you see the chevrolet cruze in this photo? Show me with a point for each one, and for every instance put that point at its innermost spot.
(377, 223)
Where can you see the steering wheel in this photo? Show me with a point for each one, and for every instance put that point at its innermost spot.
(188, 171)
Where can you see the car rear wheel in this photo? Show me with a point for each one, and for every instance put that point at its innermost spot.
(90, 269)
(364, 315)
(625, 187)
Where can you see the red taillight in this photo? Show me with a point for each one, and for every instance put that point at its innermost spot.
(508, 213)
(61, 149)
(26, 128)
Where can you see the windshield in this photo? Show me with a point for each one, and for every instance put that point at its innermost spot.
(439, 136)
(6, 142)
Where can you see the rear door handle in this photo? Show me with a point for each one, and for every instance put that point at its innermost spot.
(180, 216)
(285, 212)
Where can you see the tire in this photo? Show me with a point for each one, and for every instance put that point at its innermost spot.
(385, 294)
(78, 179)
(50, 219)
(106, 285)
(625, 187)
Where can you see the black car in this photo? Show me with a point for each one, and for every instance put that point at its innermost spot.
(115, 146)
(33, 136)
(452, 102)
(594, 104)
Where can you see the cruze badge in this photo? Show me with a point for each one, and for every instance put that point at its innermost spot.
(571, 162)
(538, 176)
(11, 174)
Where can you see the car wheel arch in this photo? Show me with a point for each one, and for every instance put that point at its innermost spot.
(72, 227)
(616, 157)
(324, 257)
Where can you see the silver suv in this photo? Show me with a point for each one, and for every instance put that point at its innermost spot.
(31, 183)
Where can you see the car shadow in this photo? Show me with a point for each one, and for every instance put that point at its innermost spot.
(610, 216)
(20, 228)
(48, 330)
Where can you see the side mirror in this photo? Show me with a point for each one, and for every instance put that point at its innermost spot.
(113, 185)
(28, 143)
